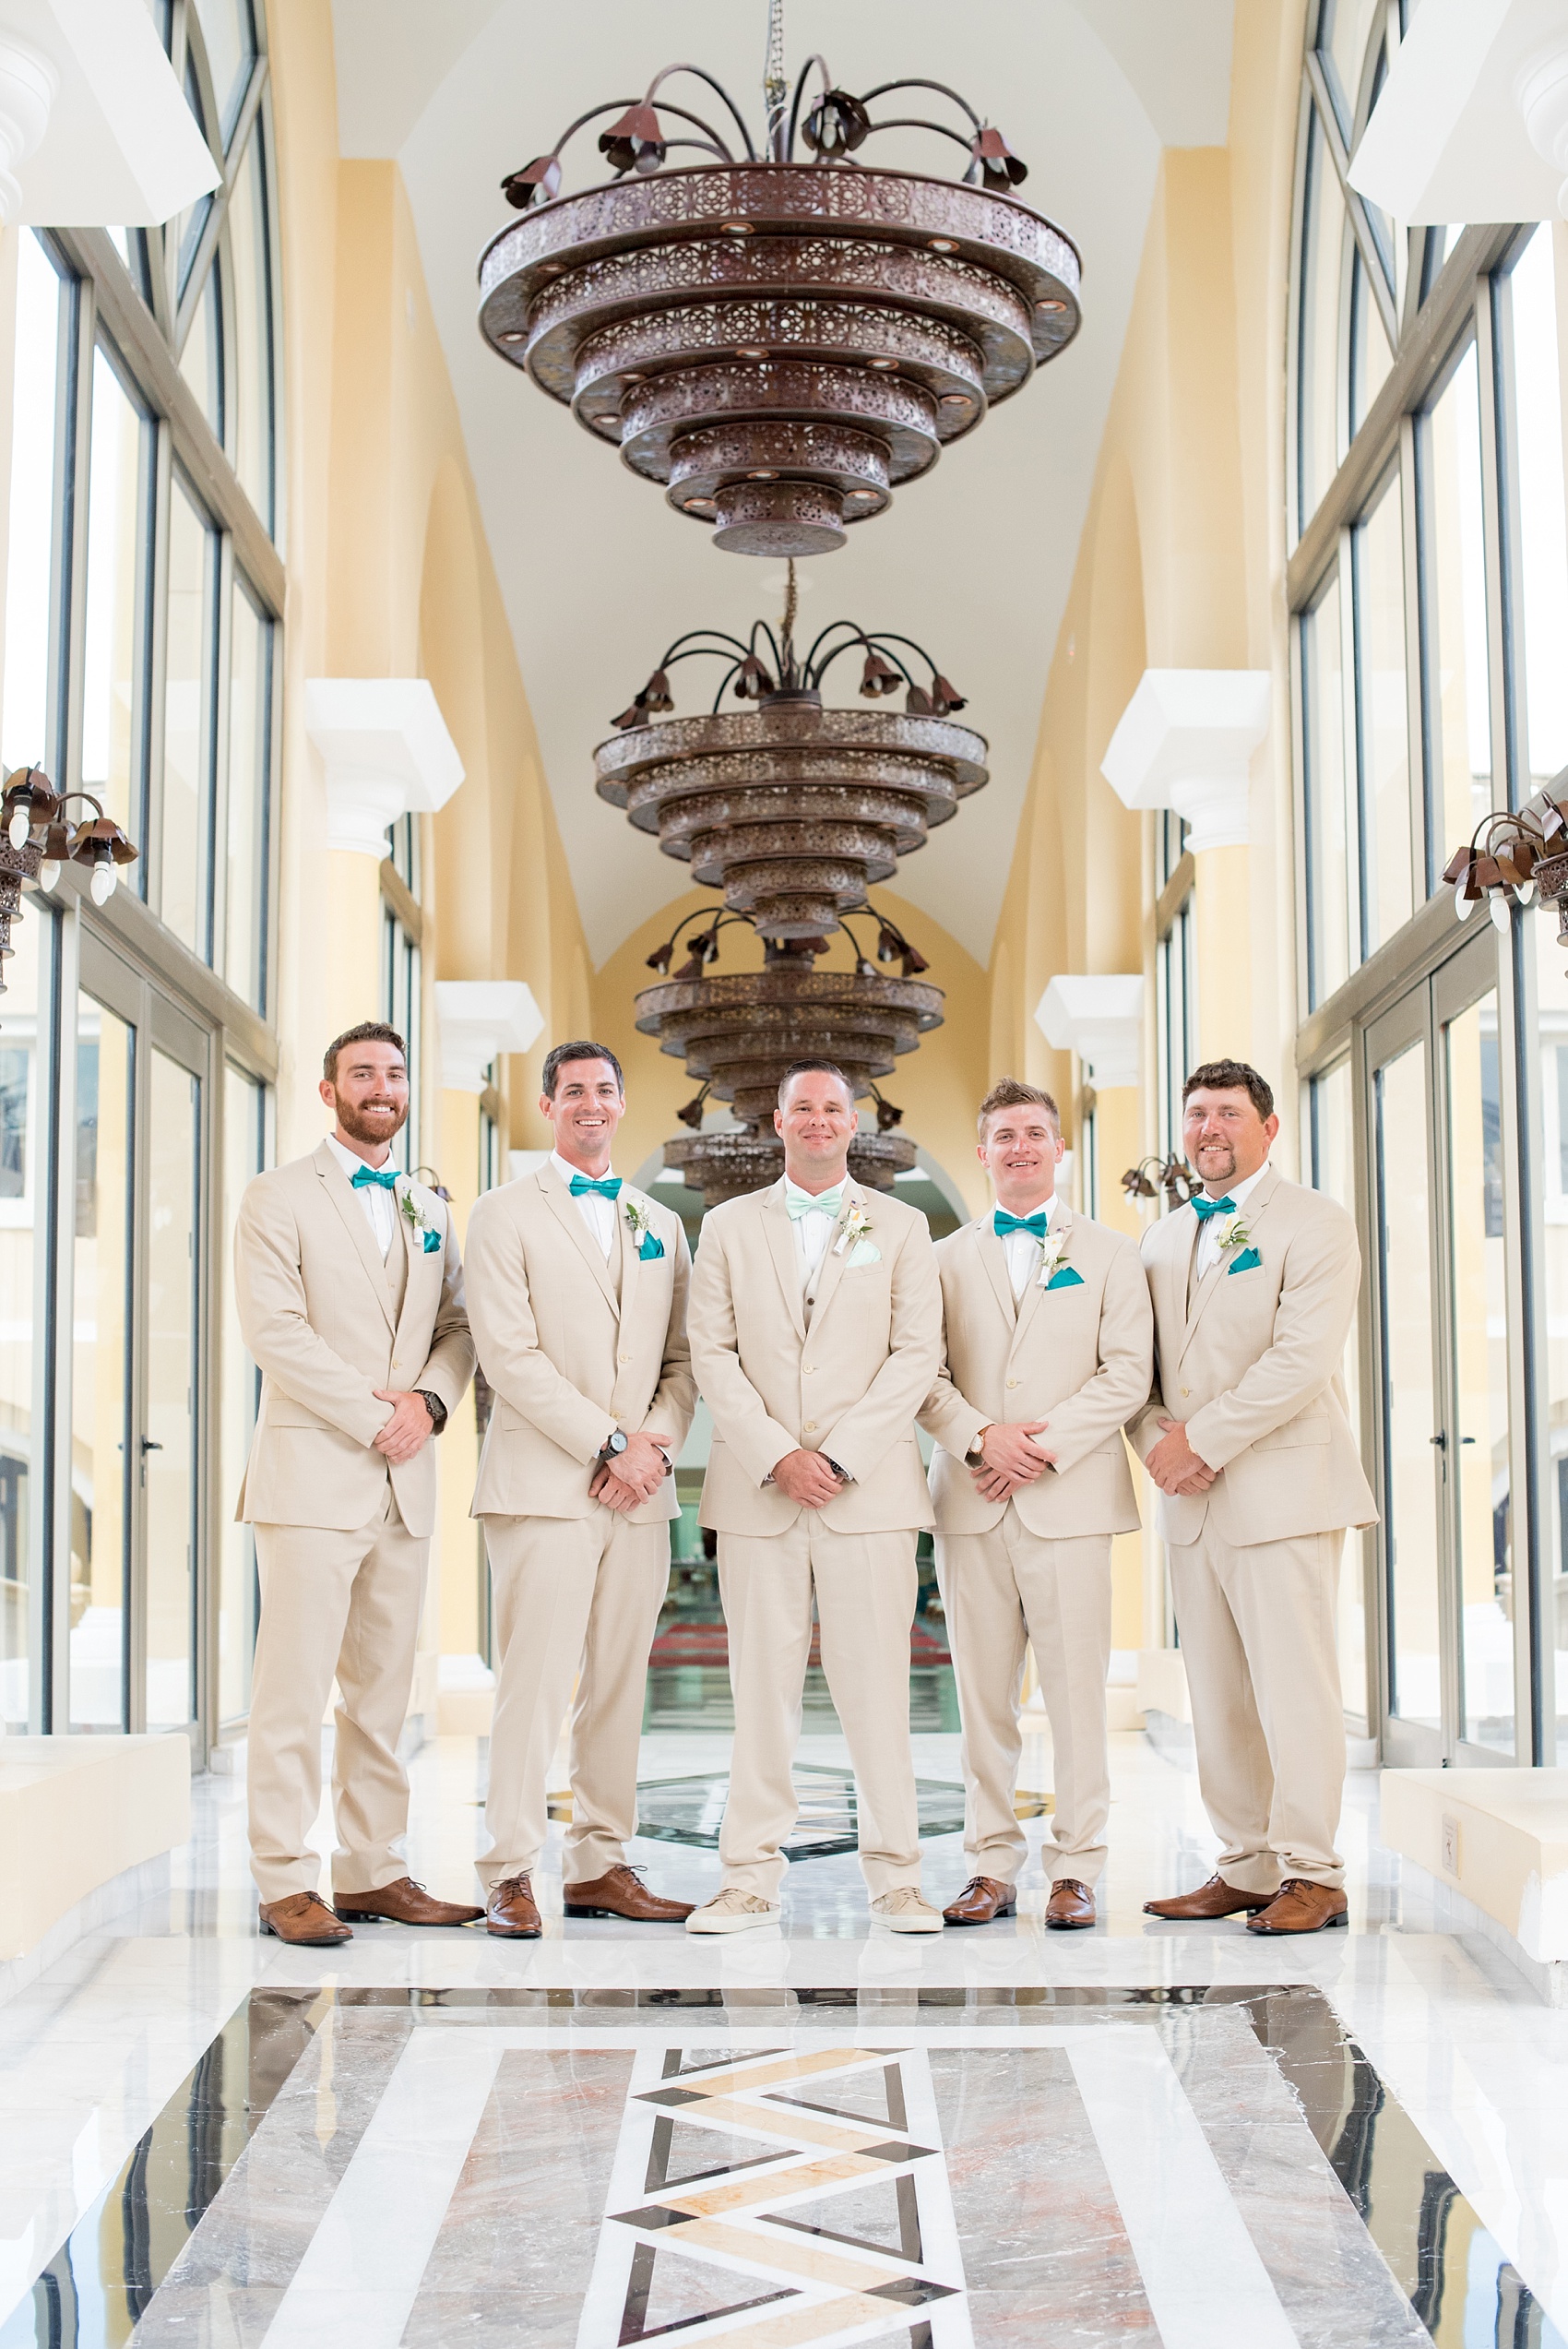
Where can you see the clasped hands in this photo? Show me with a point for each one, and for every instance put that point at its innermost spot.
(408, 1428)
(1175, 1466)
(1009, 1458)
(635, 1474)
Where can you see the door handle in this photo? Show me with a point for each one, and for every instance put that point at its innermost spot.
(149, 1445)
(1440, 1441)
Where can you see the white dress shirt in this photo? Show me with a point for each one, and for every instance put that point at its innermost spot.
(812, 1232)
(1023, 1251)
(597, 1211)
(379, 1204)
(1206, 1256)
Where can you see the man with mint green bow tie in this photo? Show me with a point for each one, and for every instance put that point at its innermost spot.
(577, 1288)
(349, 1291)
(1048, 1342)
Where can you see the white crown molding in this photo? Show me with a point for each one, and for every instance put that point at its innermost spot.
(479, 1020)
(387, 753)
(94, 128)
(1185, 742)
(1472, 122)
(1100, 1019)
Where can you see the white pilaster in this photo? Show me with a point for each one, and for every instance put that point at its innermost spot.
(387, 753)
(1185, 742)
(479, 1020)
(1100, 1019)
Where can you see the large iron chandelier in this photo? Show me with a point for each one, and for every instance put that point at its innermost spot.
(792, 810)
(780, 337)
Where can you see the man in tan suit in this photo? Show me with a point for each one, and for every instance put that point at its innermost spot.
(577, 1287)
(351, 1298)
(816, 1332)
(1048, 1348)
(1245, 1433)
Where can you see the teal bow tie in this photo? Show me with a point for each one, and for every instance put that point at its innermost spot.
(607, 1187)
(1036, 1225)
(824, 1203)
(365, 1178)
(1204, 1208)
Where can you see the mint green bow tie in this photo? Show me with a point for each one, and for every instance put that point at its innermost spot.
(824, 1203)
(1204, 1208)
(365, 1178)
(607, 1187)
(1036, 1225)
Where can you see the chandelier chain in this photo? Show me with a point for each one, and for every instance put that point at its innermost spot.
(775, 86)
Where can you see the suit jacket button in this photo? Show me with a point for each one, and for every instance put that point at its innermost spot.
(809, 1427)
(625, 1357)
(808, 1368)
(1012, 1382)
(1185, 1392)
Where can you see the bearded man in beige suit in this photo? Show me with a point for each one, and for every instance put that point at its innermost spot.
(577, 1287)
(816, 1332)
(1245, 1433)
(1048, 1345)
(349, 1293)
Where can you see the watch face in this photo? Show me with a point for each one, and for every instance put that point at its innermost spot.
(617, 1442)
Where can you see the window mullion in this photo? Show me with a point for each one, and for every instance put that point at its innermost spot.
(157, 673)
(1361, 227)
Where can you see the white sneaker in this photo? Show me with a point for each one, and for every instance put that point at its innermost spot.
(733, 1911)
(905, 1911)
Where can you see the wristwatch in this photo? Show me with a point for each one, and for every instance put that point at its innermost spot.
(842, 1474)
(614, 1445)
(975, 1456)
(435, 1407)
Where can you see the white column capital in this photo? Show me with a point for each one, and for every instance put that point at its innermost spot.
(479, 1020)
(94, 128)
(1100, 1019)
(1472, 122)
(1185, 741)
(386, 751)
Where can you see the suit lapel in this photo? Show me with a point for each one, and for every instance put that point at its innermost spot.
(356, 1223)
(416, 1256)
(993, 1255)
(564, 1209)
(780, 1234)
(1254, 1209)
(631, 1263)
(1029, 1303)
(833, 1259)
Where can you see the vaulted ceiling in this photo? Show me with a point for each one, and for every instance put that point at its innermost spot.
(976, 561)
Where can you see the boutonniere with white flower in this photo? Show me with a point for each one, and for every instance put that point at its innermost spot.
(419, 1223)
(856, 1227)
(1235, 1235)
(1053, 1253)
(640, 1224)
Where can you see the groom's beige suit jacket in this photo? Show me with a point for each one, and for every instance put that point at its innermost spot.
(847, 1382)
(329, 1321)
(572, 1346)
(1253, 1364)
(1079, 1357)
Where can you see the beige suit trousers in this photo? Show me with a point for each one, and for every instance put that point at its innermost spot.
(1001, 1590)
(865, 1586)
(332, 1602)
(1256, 1627)
(575, 1598)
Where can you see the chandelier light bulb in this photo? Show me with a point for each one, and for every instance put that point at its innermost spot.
(1499, 908)
(18, 827)
(102, 882)
(49, 874)
(1463, 904)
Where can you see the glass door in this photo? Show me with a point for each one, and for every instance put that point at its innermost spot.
(1441, 1325)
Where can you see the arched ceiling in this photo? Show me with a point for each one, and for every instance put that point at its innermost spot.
(976, 561)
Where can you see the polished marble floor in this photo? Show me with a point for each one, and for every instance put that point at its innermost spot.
(821, 2133)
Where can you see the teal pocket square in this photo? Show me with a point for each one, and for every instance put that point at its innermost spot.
(1248, 1262)
(432, 1242)
(651, 1249)
(1066, 1279)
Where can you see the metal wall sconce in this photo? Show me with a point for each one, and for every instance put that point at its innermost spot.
(37, 839)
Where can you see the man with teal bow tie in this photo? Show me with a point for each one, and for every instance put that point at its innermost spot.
(1048, 1341)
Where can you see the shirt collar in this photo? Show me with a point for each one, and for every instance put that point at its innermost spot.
(1241, 1192)
(566, 1172)
(792, 1190)
(350, 1161)
(1055, 1209)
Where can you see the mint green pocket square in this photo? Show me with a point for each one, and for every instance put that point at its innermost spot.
(1248, 1262)
(863, 1252)
(1066, 1279)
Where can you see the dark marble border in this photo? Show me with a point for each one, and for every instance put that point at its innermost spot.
(95, 2291)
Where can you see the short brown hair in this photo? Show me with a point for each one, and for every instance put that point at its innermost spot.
(1231, 1077)
(1010, 1092)
(817, 1068)
(369, 1032)
(560, 1056)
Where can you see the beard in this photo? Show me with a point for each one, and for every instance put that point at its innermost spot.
(1225, 1171)
(369, 1124)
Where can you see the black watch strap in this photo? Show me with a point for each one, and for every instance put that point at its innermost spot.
(435, 1407)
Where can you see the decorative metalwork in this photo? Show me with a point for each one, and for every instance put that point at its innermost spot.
(1516, 856)
(780, 341)
(793, 810)
(1171, 1174)
(37, 839)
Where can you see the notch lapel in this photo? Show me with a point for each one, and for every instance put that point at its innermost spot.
(418, 1262)
(339, 1190)
(563, 1206)
(780, 1234)
(1030, 1302)
(631, 1263)
(1255, 1210)
(994, 1257)
(833, 1262)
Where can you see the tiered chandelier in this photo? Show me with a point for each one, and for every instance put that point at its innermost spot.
(793, 810)
(780, 337)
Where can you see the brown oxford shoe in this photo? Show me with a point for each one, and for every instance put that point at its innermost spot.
(1070, 1907)
(404, 1903)
(621, 1891)
(305, 1919)
(512, 1911)
(981, 1901)
(1300, 1906)
(1211, 1900)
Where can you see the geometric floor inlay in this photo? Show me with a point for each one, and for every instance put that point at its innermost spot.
(1035, 2167)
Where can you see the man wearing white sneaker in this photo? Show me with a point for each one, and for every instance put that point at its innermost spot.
(816, 1325)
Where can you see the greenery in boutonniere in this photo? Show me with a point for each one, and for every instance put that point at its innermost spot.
(651, 1247)
(419, 1221)
(856, 1227)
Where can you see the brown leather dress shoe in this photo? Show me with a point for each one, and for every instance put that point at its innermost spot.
(981, 1901)
(1070, 1907)
(404, 1903)
(305, 1919)
(1211, 1900)
(512, 1911)
(1300, 1906)
(621, 1891)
